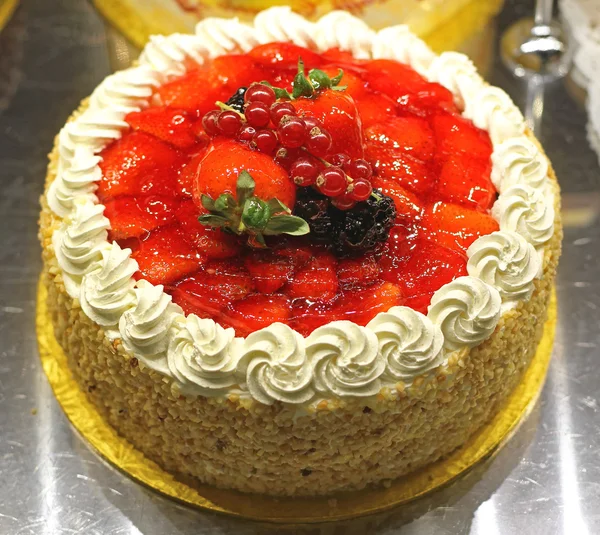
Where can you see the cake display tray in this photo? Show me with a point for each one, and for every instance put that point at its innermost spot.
(103, 438)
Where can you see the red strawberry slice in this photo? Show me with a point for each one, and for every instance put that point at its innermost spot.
(133, 217)
(213, 288)
(355, 85)
(256, 312)
(338, 113)
(218, 172)
(359, 306)
(317, 280)
(356, 273)
(420, 303)
(373, 107)
(232, 71)
(193, 91)
(270, 271)
(398, 250)
(285, 56)
(459, 136)
(166, 257)
(409, 135)
(408, 205)
(138, 163)
(210, 242)
(466, 181)
(429, 267)
(171, 125)
(454, 226)
(392, 78)
(429, 99)
(187, 174)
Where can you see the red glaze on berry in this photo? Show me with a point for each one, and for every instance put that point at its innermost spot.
(390, 130)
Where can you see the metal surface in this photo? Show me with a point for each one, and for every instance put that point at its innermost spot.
(545, 481)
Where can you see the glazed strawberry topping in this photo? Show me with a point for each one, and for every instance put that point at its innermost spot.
(378, 163)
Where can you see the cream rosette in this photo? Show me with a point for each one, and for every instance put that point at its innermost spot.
(466, 310)
(409, 343)
(203, 356)
(506, 261)
(346, 359)
(275, 366)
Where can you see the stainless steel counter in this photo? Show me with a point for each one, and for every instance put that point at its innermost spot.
(545, 481)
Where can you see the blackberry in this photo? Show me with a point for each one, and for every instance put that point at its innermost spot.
(364, 226)
(314, 209)
(236, 101)
(347, 232)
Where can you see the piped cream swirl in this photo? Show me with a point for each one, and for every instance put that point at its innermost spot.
(467, 311)
(506, 261)
(527, 211)
(457, 73)
(172, 55)
(128, 90)
(77, 179)
(518, 161)
(342, 30)
(346, 359)
(203, 356)
(225, 36)
(106, 293)
(275, 366)
(491, 109)
(79, 242)
(400, 44)
(282, 24)
(95, 128)
(146, 328)
(408, 341)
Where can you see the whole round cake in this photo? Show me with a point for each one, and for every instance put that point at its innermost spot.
(297, 258)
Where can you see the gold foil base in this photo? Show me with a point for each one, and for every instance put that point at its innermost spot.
(7, 8)
(104, 439)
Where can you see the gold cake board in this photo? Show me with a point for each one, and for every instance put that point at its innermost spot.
(104, 439)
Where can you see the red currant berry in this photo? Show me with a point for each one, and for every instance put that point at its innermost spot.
(360, 169)
(332, 182)
(209, 123)
(246, 133)
(229, 122)
(340, 160)
(260, 93)
(345, 202)
(361, 190)
(319, 141)
(304, 171)
(291, 131)
(264, 141)
(279, 110)
(257, 114)
(312, 122)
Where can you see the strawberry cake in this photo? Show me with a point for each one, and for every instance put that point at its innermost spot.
(297, 258)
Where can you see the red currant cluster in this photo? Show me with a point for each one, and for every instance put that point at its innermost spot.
(298, 143)
(347, 181)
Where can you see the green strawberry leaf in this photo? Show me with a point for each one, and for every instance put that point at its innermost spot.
(256, 213)
(319, 79)
(244, 187)
(208, 203)
(224, 202)
(337, 79)
(277, 206)
(279, 92)
(301, 85)
(286, 224)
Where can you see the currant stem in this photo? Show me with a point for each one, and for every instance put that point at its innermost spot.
(225, 107)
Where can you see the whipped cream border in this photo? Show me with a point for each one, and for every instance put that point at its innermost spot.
(277, 364)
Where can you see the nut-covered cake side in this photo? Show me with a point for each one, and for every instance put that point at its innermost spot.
(244, 445)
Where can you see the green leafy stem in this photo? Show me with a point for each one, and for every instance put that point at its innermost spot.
(247, 214)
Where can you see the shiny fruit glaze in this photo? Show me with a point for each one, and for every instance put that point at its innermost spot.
(402, 132)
